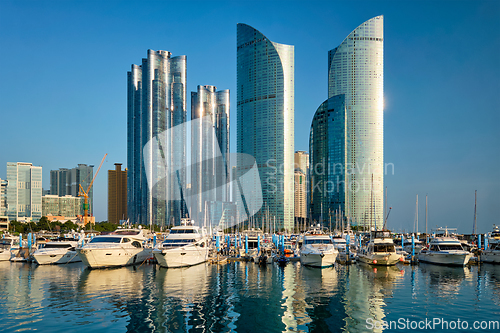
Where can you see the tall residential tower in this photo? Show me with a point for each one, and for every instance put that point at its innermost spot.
(209, 151)
(156, 102)
(265, 119)
(24, 192)
(355, 147)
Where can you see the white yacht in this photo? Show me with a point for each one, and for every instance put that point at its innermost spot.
(380, 250)
(419, 245)
(119, 248)
(317, 250)
(8, 247)
(492, 254)
(445, 250)
(60, 251)
(185, 245)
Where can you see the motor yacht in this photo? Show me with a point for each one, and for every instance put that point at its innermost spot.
(492, 254)
(380, 250)
(445, 249)
(8, 247)
(122, 247)
(185, 245)
(59, 251)
(317, 250)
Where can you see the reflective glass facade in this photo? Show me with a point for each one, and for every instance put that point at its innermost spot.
(209, 150)
(24, 192)
(327, 144)
(356, 69)
(156, 102)
(67, 182)
(265, 119)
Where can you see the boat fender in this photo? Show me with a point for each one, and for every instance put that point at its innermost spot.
(375, 261)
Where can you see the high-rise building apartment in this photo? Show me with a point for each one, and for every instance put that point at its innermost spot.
(300, 197)
(355, 82)
(24, 192)
(67, 182)
(327, 157)
(156, 102)
(117, 194)
(62, 206)
(3, 197)
(301, 193)
(265, 119)
(209, 151)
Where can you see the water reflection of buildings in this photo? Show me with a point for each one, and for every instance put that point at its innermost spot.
(366, 289)
(30, 288)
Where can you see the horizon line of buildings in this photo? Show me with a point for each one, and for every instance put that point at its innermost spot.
(168, 179)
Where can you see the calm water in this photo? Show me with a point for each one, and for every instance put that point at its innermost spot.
(242, 297)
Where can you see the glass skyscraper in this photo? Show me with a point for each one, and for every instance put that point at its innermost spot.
(24, 192)
(156, 102)
(327, 144)
(209, 150)
(355, 75)
(265, 119)
(67, 182)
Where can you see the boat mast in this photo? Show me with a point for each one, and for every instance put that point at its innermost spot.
(426, 214)
(475, 213)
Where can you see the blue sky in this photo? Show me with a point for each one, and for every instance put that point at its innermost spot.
(64, 67)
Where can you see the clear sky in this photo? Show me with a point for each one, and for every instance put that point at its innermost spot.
(63, 90)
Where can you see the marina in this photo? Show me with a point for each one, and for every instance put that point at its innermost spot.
(269, 286)
(241, 297)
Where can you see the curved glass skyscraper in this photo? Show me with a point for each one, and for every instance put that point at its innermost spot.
(356, 71)
(327, 142)
(265, 119)
(156, 102)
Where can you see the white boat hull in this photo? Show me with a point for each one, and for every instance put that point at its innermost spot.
(113, 257)
(451, 259)
(491, 256)
(318, 259)
(5, 255)
(381, 259)
(181, 257)
(51, 257)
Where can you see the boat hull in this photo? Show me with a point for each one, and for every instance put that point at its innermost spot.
(449, 259)
(318, 259)
(5, 255)
(113, 257)
(490, 256)
(181, 257)
(48, 258)
(379, 259)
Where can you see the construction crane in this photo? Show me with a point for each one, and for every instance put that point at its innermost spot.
(85, 194)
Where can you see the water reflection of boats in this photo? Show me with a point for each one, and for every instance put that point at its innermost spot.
(186, 282)
(104, 282)
(446, 280)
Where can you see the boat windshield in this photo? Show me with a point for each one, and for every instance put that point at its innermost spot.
(182, 231)
(105, 240)
(384, 248)
(4, 246)
(450, 247)
(177, 242)
(317, 241)
(56, 246)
